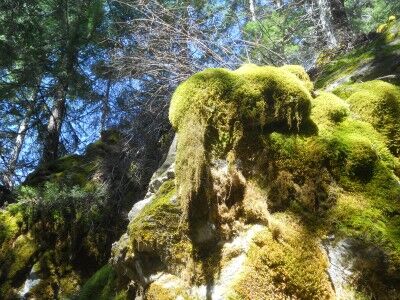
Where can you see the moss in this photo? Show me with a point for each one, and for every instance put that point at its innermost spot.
(253, 117)
(367, 61)
(369, 216)
(121, 295)
(77, 169)
(69, 170)
(24, 248)
(264, 94)
(378, 103)
(212, 111)
(344, 65)
(169, 288)
(157, 229)
(328, 109)
(10, 223)
(290, 265)
(102, 285)
(301, 74)
(16, 257)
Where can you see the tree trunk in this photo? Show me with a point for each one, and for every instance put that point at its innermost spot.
(333, 22)
(52, 139)
(340, 22)
(252, 9)
(19, 140)
(325, 24)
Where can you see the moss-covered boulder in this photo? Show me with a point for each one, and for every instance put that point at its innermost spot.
(67, 215)
(266, 170)
(378, 103)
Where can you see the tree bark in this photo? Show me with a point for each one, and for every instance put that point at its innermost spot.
(252, 9)
(333, 23)
(340, 22)
(19, 140)
(52, 139)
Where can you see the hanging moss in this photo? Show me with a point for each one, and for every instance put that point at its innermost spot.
(213, 109)
(378, 103)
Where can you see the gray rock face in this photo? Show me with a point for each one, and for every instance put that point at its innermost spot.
(360, 72)
(358, 270)
(122, 258)
(340, 265)
(164, 173)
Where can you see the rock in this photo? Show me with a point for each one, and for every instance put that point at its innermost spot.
(32, 281)
(355, 266)
(164, 173)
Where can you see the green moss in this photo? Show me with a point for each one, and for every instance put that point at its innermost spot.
(121, 295)
(69, 170)
(378, 103)
(214, 109)
(168, 289)
(77, 169)
(328, 109)
(376, 57)
(10, 223)
(301, 74)
(287, 264)
(157, 229)
(264, 94)
(344, 65)
(102, 285)
(16, 258)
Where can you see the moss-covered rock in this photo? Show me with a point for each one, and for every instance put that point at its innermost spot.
(372, 59)
(301, 74)
(102, 285)
(214, 109)
(70, 210)
(157, 228)
(261, 96)
(378, 103)
(328, 109)
(284, 262)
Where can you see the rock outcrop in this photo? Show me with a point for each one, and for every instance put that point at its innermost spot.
(264, 169)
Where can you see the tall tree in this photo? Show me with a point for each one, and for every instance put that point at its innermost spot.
(75, 25)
